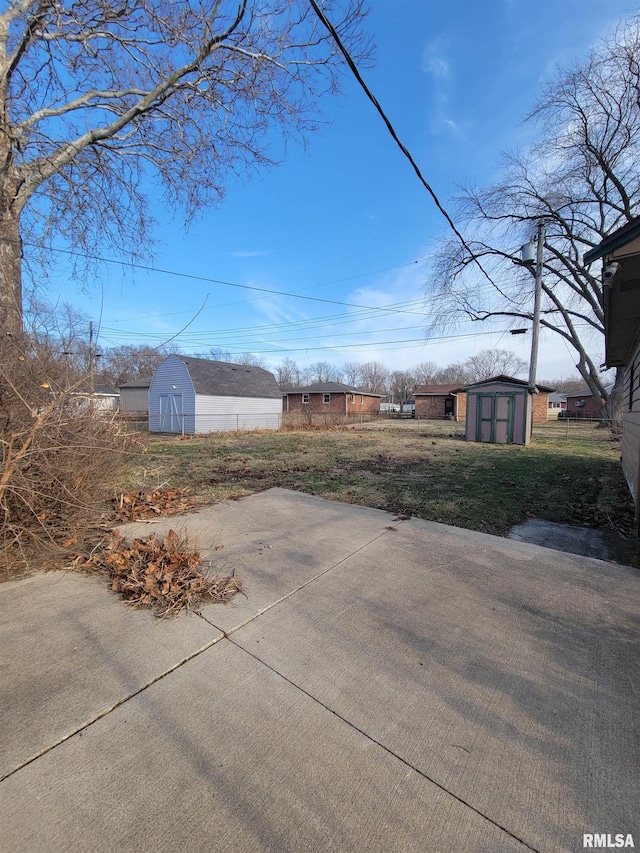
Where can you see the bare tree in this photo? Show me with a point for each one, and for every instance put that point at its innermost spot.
(323, 371)
(493, 362)
(351, 373)
(62, 330)
(288, 374)
(374, 376)
(565, 386)
(128, 362)
(455, 373)
(425, 372)
(401, 385)
(581, 179)
(96, 97)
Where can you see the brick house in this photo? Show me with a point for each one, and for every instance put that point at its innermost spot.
(581, 404)
(332, 398)
(440, 402)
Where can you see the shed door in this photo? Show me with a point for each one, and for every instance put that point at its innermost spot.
(171, 413)
(495, 418)
(484, 428)
(504, 409)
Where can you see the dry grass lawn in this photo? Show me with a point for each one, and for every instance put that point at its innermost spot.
(422, 468)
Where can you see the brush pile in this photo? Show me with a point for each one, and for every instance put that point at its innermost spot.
(163, 574)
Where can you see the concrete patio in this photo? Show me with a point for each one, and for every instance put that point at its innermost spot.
(383, 686)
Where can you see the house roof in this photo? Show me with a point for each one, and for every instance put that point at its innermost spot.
(584, 392)
(510, 380)
(224, 379)
(616, 240)
(436, 390)
(100, 390)
(331, 388)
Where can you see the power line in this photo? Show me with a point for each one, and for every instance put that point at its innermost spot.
(356, 73)
(191, 276)
(299, 290)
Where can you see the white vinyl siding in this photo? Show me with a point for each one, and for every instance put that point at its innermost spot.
(215, 414)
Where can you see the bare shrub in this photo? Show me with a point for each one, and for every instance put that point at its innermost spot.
(58, 455)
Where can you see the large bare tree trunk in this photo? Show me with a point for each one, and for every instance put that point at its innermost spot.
(10, 245)
(10, 275)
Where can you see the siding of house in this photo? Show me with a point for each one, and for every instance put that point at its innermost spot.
(172, 378)
(339, 403)
(219, 414)
(630, 449)
(589, 410)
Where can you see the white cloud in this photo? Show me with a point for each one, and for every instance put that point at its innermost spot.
(434, 60)
(248, 253)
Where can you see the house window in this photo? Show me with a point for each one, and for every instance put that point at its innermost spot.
(326, 398)
(305, 398)
(361, 399)
(632, 379)
(352, 398)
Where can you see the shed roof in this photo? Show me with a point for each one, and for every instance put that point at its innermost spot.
(436, 390)
(224, 379)
(508, 380)
(331, 388)
(138, 383)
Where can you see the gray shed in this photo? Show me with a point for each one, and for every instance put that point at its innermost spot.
(134, 396)
(194, 395)
(501, 410)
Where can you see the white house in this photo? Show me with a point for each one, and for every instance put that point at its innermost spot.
(194, 395)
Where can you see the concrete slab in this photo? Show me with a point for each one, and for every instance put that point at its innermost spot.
(424, 688)
(507, 673)
(225, 755)
(70, 652)
(275, 542)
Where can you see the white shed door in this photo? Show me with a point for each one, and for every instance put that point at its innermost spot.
(171, 413)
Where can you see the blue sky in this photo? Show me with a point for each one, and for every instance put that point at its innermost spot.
(346, 220)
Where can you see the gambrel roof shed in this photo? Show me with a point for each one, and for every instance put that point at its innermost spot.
(195, 395)
(223, 379)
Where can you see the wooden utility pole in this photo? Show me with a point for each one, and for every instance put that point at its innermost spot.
(91, 362)
(535, 334)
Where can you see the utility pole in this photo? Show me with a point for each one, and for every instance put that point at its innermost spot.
(91, 362)
(533, 364)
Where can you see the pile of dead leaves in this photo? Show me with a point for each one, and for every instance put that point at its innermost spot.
(163, 574)
(136, 505)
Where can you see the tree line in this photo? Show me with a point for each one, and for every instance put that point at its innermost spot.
(63, 332)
